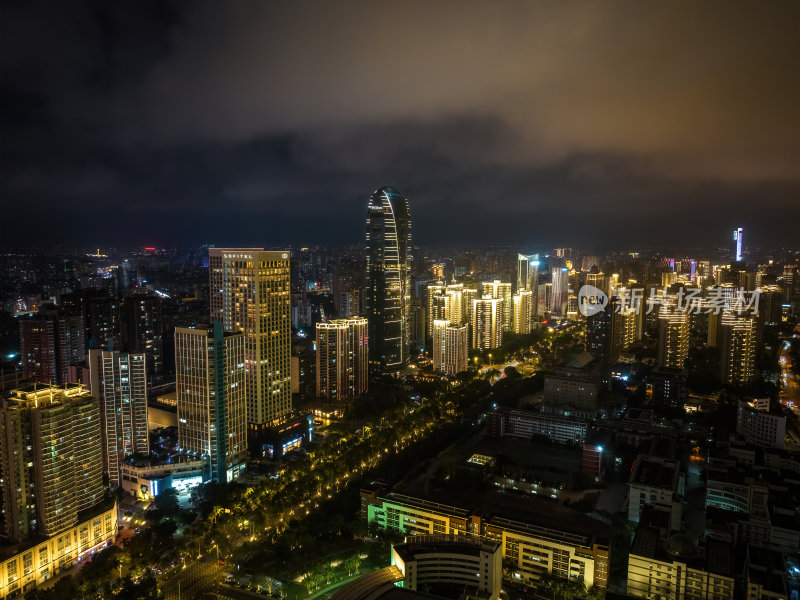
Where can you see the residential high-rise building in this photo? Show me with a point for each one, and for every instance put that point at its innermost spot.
(388, 240)
(673, 334)
(738, 335)
(487, 323)
(342, 359)
(51, 463)
(50, 342)
(249, 293)
(143, 329)
(211, 397)
(119, 381)
(522, 316)
(502, 290)
(450, 347)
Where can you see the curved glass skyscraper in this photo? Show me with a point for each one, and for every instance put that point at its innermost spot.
(388, 278)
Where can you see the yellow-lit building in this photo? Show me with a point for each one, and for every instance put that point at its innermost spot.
(737, 337)
(342, 359)
(450, 347)
(51, 459)
(532, 550)
(27, 565)
(673, 334)
(523, 312)
(249, 293)
(501, 290)
(487, 323)
(674, 569)
(210, 383)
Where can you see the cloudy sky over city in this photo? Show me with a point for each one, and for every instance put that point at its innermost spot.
(581, 123)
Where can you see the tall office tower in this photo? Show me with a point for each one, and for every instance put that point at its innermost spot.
(736, 245)
(342, 359)
(211, 396)
(119, 381)
(450, 347)
(388, 278)
(560, 294)
(673, 334)
(598, 280)
(523, 312)
(249, 293)
(527, 272)
(487, 323)
(51, 459)
(738, 340)
(416, 327)
(50, 342)
(143, 329)
(499, 289)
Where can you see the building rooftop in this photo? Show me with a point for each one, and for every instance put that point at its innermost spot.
(653, 471)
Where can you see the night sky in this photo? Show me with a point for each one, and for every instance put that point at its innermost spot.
(559, 123)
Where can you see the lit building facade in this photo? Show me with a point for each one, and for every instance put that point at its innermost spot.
(673, 334)
(523, 309)
(738, 340)
(501, 290)
(487, 323)
(32, 565)
(210, 385)
(560, 292)
(534, 551)
(51, 463)
(119, 380)
(388, 240)
(342, 359)
(249, 293)
(450, 347)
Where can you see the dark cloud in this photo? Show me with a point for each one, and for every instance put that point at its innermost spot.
(242, 122)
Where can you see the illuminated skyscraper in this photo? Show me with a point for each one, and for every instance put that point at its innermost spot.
(499, 289)
(51, 459)
(342, 359)
(249, 292)
(560, 294)
(388, 296)
(528, 276)
(450, 347)
(673, 334)
(738, 336)
(211, 390)
(119, 381)
(736, 245)
(523, 312)
(487, 323)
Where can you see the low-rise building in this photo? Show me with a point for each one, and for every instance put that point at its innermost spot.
(673, 568)
(526, 424)
(656, 482)
(535, 543)
(39, 559)
(430, 562)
